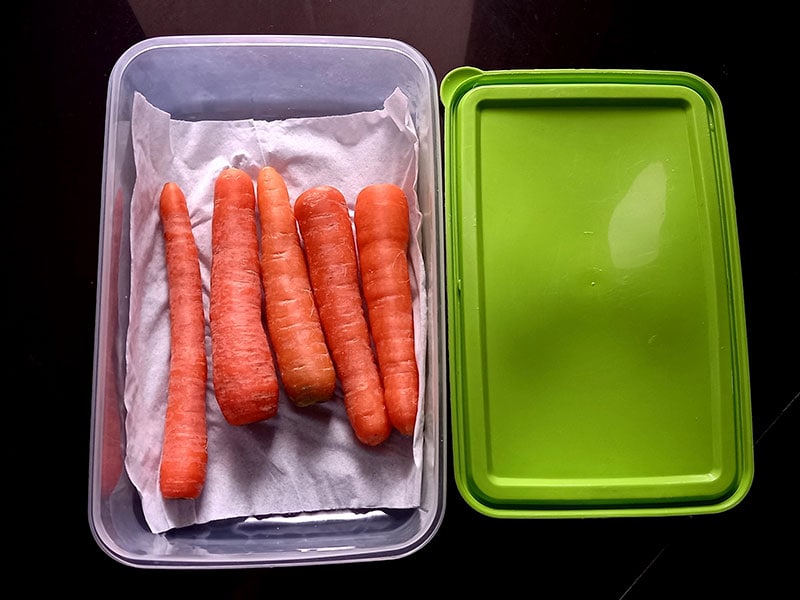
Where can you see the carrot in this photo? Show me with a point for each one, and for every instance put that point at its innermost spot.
(244, 376)
(327, 232)
(184, 453)
(295, 331)
(112, 465)
(382, 233)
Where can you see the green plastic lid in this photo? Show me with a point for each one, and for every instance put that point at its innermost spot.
(598, 352)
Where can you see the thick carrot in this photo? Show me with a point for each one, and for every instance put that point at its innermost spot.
(382, 233)
(184, 452)
(327, 234)
(295, 331)
(243, 371)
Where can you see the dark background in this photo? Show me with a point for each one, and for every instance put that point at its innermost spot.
(61, 54)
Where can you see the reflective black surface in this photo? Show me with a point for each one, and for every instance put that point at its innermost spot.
(61, 55)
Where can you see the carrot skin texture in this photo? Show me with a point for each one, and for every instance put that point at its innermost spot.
(304, 362)
(245, 381)
(327, 233)
(184, 454)
(382, 235)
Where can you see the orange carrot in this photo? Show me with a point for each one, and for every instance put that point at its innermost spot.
(327, 233)
(382, 232)
(184, 453)
(112, 463)
(302, 355)
(244, 376)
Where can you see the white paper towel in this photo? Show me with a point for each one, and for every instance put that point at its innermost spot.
(304, 459)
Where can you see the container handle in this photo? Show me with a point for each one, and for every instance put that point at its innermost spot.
(454, 80)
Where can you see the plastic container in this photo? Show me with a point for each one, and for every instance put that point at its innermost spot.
(258, 77)
(598, 351)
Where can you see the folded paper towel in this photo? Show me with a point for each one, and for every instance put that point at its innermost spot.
(304, 459)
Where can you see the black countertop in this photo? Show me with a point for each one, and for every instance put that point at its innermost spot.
(59, 83)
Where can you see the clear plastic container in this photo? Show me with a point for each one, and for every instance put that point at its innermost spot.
(259, 77)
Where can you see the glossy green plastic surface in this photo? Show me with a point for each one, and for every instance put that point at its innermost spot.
(598, 357)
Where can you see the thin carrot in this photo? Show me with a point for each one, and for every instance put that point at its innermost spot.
(382, 234)
(112, 463)
(244, 376)
(184, 453)
(327, 233)
(295, 331)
